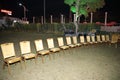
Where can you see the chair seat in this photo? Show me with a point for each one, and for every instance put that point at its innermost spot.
(104, 41)
(95, 42)
(84, 43)
(99, 41)
(12, 59)
(30, 55)
(113, 42)
(64, 47)
(55, 49)
(43, 52)
(108, 40)
(91, 42)
(78, 44)
(72, 45)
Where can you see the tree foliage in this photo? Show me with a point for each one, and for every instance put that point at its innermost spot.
(83, 7)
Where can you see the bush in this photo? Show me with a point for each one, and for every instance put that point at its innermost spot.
(54, 28)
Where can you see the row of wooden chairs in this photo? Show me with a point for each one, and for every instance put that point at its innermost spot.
(10, 57)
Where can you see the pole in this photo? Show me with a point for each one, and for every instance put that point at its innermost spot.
(44, 11)
(105, 18)
(24, 12)
(51, 19)
(24, 8)
(61, 18)
(91, 19)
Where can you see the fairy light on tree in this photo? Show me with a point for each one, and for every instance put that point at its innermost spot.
(83, 7)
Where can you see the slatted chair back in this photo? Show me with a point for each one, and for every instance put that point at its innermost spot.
(60, 41)
(50, 43)
(88, 39)
(114, 38)
(74, 39)
(98, 38)
(82, 39)
(8, 50)
(103, 37)
(39, 44)
(107, 38)
(68, 40)
(25, 47)
(93, 38)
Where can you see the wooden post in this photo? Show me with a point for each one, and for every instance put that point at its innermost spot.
(51, 19)
(61, 19)
(105, 18)
(33, 19)
(91, 19)
(41, 19)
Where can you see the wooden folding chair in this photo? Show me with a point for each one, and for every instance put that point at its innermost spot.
(26, 51)
(9, 55)
(107, 37)
(40, 49)
(52, 48)
(103, 38)
(114, 39)
(88, 39)
(69, 42)
(93, 39)
(99, 39)
(82, 40)
(75, 42)
(61, 43)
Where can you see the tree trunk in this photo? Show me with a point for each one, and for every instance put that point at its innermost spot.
(77, 15)
(76, 27)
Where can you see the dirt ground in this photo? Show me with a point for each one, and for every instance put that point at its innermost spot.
(93, 62)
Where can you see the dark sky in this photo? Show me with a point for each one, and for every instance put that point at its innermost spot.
(54, 7)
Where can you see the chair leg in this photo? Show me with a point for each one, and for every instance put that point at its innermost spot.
(53, 55)
(116, 45)
(24, 63)
(8, 65)
(69, 52)
(21, 63)
(42, 58)
(63, 51)
(35, 60)
(49, 56)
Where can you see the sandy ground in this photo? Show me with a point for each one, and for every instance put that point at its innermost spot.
(98, 62)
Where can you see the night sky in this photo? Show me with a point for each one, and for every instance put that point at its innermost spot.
(54, 7)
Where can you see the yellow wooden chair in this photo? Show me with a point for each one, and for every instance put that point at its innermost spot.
(88, 39)
(114, 39)
(82, 40)
(99, 39)
(69, 42)
(52, 48)
(61, 43)
(103, 38)
(75, 41)
(40, 49)
(26, 51)
(93, 39)
(107, 37)
(9, 55)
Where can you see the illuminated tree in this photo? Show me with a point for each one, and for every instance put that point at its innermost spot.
(83, 7)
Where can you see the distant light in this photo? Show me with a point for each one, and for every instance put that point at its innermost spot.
(6, 11)
(14, 21)
(20, 4)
